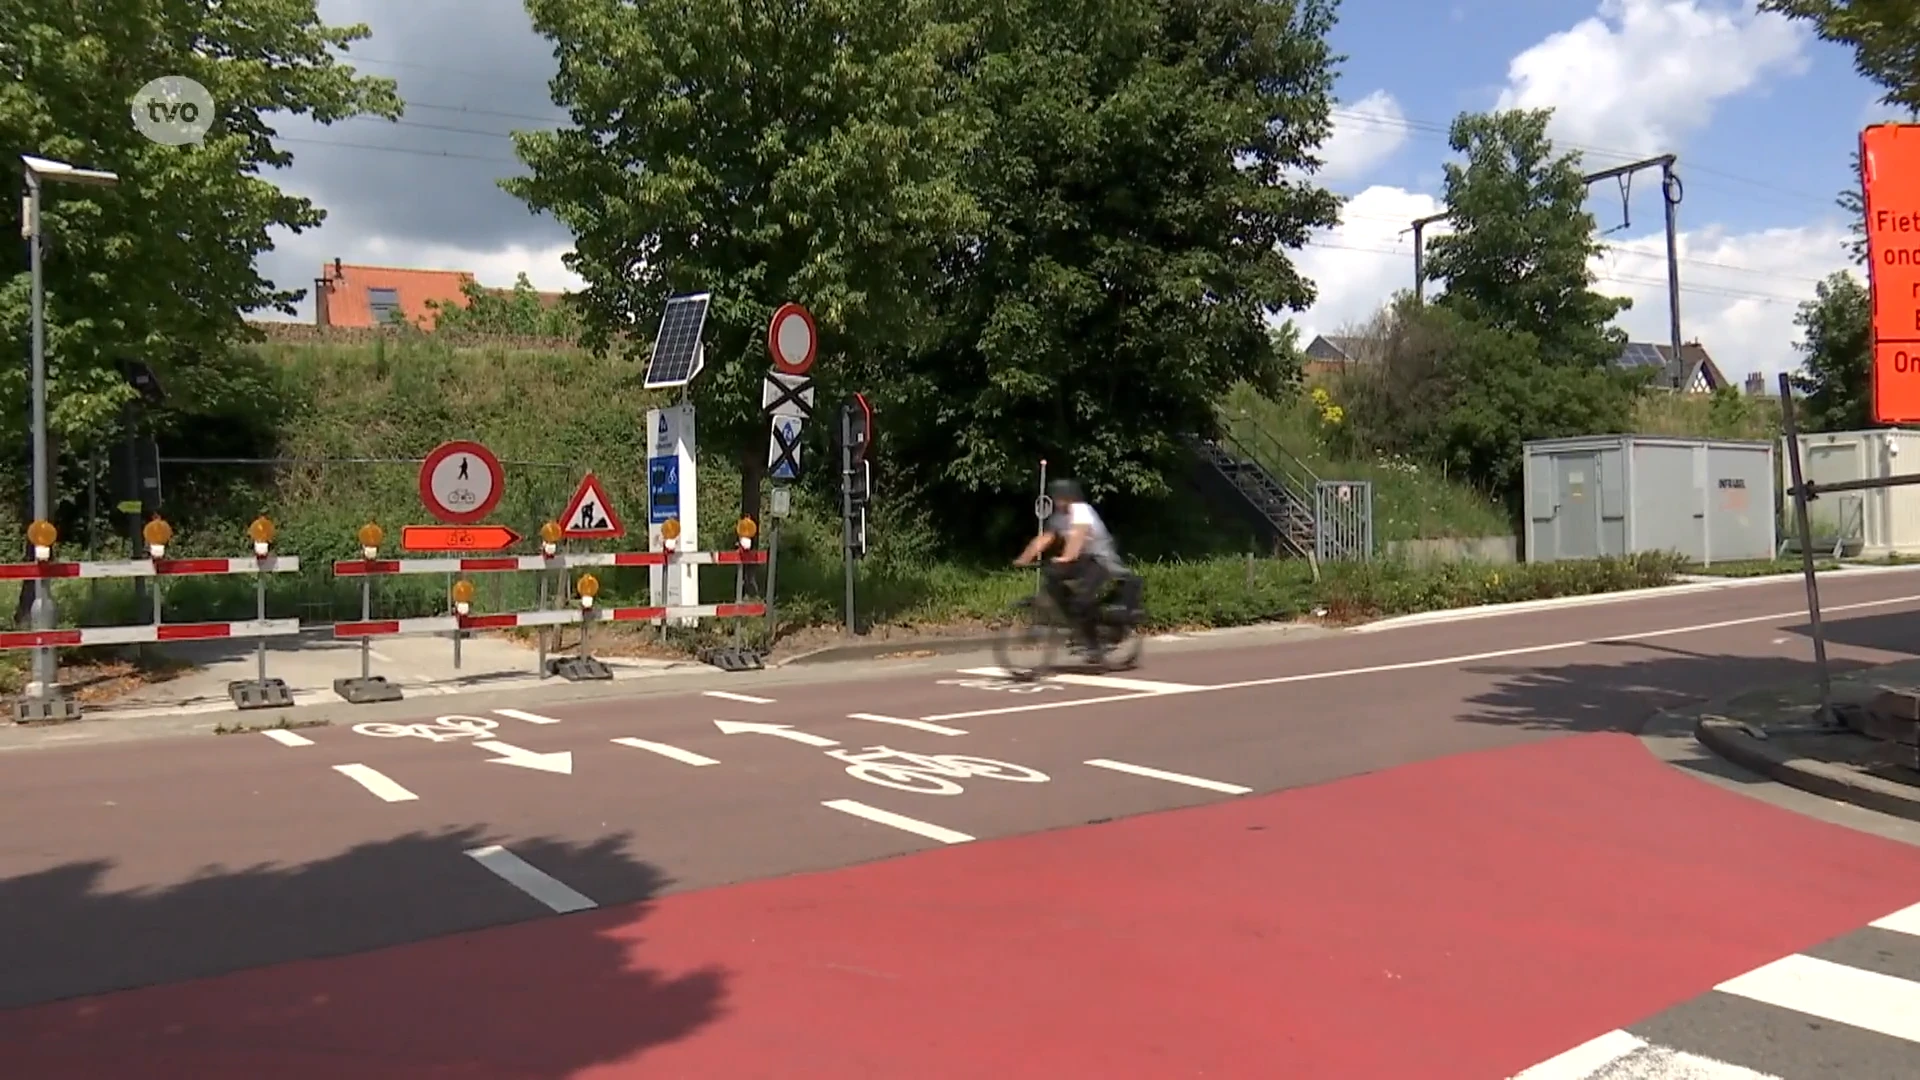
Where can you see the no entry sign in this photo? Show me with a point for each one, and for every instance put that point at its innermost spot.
(792, 339)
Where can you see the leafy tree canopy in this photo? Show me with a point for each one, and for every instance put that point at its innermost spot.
(1837, 344)
(160, 268)
(1519, 256)
(1884, 36)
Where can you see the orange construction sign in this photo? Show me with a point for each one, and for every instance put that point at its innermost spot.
(1890, 182)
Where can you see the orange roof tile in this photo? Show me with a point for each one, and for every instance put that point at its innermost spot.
(348, 302)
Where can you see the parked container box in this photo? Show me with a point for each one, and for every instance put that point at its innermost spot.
(1876, 523)
(1711, 500)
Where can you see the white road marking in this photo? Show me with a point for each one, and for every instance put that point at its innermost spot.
(375, 781)
(1836, 992)
(783, 731)
(531, 718)
(286, 738)
(380, 656)
(1103, 682)
(918, 725)
(529, 879)
(1904, 921)
(1168, 637)
(664, 750)
(1618, 1055)
(898, 821)
(1442, 661)
(728, 695)
(1171, 777)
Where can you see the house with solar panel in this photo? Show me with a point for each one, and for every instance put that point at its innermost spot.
(1694, 372)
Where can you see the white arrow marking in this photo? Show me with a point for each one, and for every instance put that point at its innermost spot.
(664, 750)
(918, 725)
(741, 727)
(557, 762)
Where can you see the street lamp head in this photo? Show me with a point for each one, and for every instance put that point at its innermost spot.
(46, 169)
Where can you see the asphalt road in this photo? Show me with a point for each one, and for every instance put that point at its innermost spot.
(1443, 833)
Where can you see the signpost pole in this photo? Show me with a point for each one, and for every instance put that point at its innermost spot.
(366, 615)
(260, 612)
(846, 506)
(542, 634)
(773, 566)
(1040, 525)
(1790, 423)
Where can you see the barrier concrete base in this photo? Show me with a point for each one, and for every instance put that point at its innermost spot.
(56, 706)
(579, 669)
(260, 694)
(732, 659)
(368, 691)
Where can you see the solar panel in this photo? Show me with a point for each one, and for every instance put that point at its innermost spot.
(677, 355)
(1639, 354)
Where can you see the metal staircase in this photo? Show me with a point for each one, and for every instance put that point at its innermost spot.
(1275, 496)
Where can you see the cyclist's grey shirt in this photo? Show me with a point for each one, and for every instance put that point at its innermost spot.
(1100, 546)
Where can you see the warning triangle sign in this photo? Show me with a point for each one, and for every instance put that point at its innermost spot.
(590, 514)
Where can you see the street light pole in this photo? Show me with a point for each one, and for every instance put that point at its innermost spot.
(46, 678)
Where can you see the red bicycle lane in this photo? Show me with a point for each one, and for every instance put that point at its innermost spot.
(1457, 918)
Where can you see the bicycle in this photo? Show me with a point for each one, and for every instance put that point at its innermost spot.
(1026, 646)
(929, 774)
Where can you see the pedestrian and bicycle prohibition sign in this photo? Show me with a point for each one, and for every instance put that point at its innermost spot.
(461, 482)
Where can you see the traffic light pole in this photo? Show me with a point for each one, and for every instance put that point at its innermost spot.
(846, 506)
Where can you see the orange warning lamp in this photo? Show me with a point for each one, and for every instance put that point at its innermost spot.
(462, 596)
(746, 530)
(588, 587)
(370, 536)
(550, 538)
(670, 531)
(42, 535)
(157, 533)
(262, 533)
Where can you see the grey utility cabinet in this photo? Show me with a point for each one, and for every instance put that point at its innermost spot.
(1708, 499)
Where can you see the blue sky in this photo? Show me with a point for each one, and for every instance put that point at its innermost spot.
(1762, 116)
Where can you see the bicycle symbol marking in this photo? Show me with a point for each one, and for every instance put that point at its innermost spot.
(929, 774)
(441, 729)
(1008, 685)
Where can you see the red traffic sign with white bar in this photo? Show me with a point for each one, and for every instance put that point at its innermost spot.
(793, 339)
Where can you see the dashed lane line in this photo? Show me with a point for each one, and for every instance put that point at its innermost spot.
(728, 695)
(287, 738)
(897, 821)
(531, 718)
(1170, 777)
(530, 879)
(1098, 682)
(674, 752)
(376, 782)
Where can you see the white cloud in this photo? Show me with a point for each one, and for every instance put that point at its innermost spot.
(1365, 134)
(1738, 292)
(1639, 76)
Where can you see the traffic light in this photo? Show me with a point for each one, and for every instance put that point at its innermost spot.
(858, 425)
(857, 535)
(860, 483)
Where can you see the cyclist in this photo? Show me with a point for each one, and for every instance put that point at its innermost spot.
(1087, 562)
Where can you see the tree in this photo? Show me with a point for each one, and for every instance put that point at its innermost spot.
(764, 153)
(1883, 34)
(1519, 257)
(162, 267)
(1138, 165)
(1837, 344)
(518, 312)
(1853, 200)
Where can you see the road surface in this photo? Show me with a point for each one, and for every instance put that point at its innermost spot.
(1431, 851)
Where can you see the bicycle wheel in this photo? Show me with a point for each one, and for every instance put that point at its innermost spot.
(904, 779)
(381, 730)
(1026, 646)
(1123, 647)
(989, 769)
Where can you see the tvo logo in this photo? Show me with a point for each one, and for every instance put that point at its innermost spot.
(173, 110)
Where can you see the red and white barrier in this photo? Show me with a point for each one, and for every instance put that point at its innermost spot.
(443, 624)
(41, 571)
(497, 564)
(135, 635)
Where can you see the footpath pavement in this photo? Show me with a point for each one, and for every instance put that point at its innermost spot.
(1244, 861)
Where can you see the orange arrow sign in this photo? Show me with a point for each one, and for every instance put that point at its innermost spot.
(457, 537)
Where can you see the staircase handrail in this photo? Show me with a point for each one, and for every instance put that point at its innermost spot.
(1285, 462)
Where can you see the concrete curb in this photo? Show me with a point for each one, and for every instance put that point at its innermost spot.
(1733, 740)
(869, 650)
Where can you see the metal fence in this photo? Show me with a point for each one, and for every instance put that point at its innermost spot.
(1343, 520)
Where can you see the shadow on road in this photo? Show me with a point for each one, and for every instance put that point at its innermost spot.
(547, 996)
(1895, 632)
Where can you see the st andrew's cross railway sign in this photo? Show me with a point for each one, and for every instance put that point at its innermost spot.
(461, 482)
(787, 395)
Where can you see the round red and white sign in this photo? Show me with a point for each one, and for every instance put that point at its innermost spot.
(461, 482)
(792, 339)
